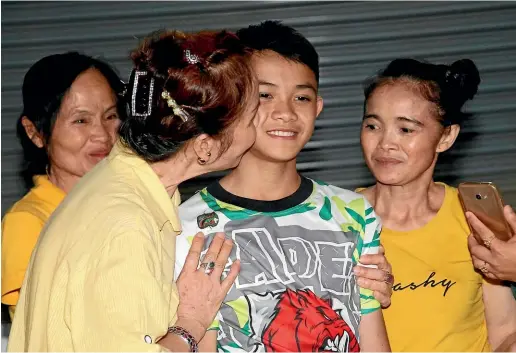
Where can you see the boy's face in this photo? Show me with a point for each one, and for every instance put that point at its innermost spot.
(289, 105)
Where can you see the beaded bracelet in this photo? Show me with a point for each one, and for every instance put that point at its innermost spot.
(186, 336)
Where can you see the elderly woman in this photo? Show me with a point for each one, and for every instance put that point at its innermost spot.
(69, 123)
(101, 277)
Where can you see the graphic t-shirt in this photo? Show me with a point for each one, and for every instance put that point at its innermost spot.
(437, 301)
(296, 290)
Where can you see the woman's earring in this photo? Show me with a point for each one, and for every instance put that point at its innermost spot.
(202, 161)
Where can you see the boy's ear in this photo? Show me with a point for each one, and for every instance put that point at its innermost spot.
(320, 105)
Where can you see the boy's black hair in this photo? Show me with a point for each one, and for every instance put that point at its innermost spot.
(282, 39)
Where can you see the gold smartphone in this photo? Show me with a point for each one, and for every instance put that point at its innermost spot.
(485, 202)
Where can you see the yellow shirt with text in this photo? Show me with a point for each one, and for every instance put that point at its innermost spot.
(21, 226)
(437, 301)
(101, 275)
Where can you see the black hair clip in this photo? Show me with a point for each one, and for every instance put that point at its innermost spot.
(142, 93)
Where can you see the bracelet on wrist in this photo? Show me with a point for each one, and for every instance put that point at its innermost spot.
(186, 336)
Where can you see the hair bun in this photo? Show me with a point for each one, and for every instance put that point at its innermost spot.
(400, 67)
(160, 51)
(463, 76)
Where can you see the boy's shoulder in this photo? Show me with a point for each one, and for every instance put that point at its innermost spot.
(336, 192)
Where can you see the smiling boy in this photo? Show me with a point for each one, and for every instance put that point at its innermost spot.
(297, 239)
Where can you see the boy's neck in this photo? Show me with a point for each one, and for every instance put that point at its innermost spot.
(258, 179)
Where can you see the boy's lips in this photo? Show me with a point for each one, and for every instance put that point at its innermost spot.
(285, 134)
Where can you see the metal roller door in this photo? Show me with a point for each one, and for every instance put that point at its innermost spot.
(354, 40)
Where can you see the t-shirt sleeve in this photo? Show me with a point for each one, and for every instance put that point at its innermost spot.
(129, 305)
(20, 232)
(368, 243)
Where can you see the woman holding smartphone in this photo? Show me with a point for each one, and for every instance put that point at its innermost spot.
(494, 257)
(412, 113)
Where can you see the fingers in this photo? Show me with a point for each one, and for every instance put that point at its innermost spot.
(376, 259)
(377, 280)
(385, 301)
(472, 243)
(510, 216)
(374, 274)
(484, 268)
(222, 258)
(478, 263)
(382, 291)
(231, 277)
(480, 255)
(214, 249)
(479, 228)
(192, 259)
(478, 250)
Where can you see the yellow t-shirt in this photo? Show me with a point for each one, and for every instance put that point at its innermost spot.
(437, 295)
(21, 226)
(101, 275)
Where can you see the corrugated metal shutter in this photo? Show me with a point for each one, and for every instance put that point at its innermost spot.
(354, 40)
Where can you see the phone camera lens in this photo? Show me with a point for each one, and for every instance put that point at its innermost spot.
(479, 197)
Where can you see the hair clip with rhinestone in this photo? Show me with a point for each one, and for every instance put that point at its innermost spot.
(191, 58)
(141, 85)
(171, 102)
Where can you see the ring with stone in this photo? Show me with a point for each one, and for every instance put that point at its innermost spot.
(208, 267)
(487, 243)
(484, 269)
(389, 278)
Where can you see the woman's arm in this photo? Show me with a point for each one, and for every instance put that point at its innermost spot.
(134, 306)
(201, 293)
(373, 335)
(500, 312)
(20, 233)
(209, 342)
(499, 303)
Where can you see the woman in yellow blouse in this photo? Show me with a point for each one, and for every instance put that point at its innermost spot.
(69, 123)
(101, 277)
(440, 303)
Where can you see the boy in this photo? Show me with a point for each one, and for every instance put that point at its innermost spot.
(297, 239)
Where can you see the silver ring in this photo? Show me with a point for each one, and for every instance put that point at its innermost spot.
(208, 267)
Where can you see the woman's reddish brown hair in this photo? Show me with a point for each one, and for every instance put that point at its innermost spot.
(213, 92)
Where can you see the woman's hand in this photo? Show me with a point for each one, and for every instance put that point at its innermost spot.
(379, 280)
(201, 289)
(496, 259)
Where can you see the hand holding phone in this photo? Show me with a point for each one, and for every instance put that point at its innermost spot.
(485, 202)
